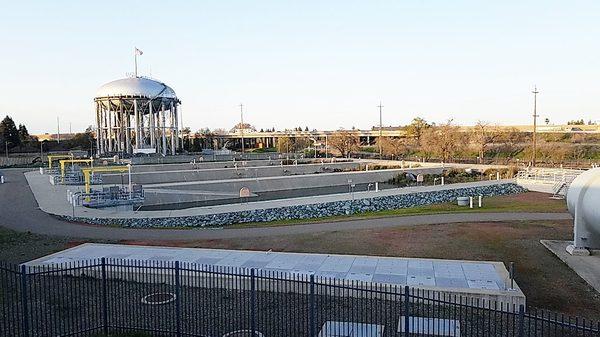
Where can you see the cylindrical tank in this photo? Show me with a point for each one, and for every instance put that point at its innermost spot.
(584, 191)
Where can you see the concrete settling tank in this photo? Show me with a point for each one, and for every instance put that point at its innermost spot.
(583, 201)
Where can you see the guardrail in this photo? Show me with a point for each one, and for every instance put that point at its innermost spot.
(559, 179)
(549, 176)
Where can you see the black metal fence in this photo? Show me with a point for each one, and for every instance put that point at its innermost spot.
(109, 297)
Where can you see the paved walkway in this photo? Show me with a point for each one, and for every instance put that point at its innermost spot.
(19, 211)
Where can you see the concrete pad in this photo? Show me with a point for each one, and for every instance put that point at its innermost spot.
(587, 267)
(389, 271)
(350, 329)
(430, 326)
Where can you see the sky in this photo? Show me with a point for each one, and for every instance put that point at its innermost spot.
(321, 64)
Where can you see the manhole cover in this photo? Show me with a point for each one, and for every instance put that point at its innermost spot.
(243, 333)
(158, 298)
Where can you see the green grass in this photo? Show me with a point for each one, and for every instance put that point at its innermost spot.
(527, 202)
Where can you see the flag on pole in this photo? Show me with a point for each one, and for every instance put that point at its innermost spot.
(138, 52)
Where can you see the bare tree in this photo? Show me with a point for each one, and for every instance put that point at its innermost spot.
(444, 141)
(416, 129)
(345, 141)
(291, 143)
(511, 143)
(483, 134)
(393, 146)
(283, 144)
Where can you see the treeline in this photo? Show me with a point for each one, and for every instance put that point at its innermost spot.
(16, 138)
(483, 143)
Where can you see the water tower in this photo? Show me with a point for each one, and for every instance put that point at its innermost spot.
(137, 115)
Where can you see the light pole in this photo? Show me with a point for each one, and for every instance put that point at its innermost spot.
(535, 116)
(380, 130)
(242, 125)
(42, 152)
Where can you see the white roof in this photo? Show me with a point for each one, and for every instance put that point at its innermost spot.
(136, 86)
(465, 275)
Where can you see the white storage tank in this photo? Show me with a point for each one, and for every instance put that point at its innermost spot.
(583, 201)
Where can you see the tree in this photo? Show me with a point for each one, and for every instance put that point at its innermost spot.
(576, 122)
(82, 141)
(283, 144)
(9, 133)
(483, 135)
(444, 141)
(392, 146)
(416, 128)
(291, 143)
(511, 143)
(23, 134)
(345, 141)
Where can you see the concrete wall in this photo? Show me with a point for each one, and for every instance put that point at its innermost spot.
(185, 172)
(308, 211)
(210, 157)
(292, 182)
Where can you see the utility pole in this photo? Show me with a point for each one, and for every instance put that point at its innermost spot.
(242, 124)
(380, 130)
(535, 116)
(58, 129)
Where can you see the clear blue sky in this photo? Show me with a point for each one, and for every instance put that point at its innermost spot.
(322, 64)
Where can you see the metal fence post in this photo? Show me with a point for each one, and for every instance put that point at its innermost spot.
(311, 301)
(177, 299)
(104, 298)
(406, 311)
(24, 300)
(521, 320)
(252, 301)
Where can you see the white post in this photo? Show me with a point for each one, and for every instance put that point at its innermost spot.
(1, 179)
(137, 124)
(110, 129)
(442, 181)
(497, 175)
(129, 177)
(470, 202)
(163, 130)
(480, 197)
(151, 120)
(376, 186)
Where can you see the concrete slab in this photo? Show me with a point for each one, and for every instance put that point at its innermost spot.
(587, 267)
(350, 329)
(492, 283)
(430, 326)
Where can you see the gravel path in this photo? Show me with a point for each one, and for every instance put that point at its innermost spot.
(19, 211)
